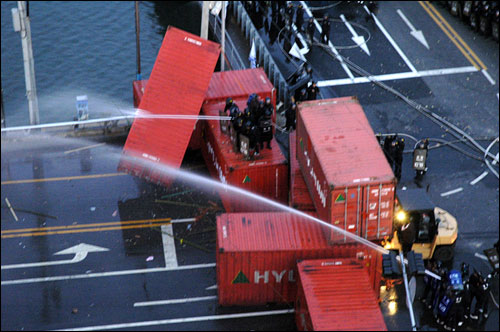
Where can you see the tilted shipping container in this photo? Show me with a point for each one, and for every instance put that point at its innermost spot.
(257, 254)
(336, 295)
(300, 198)
(349, 179)
(266, 175)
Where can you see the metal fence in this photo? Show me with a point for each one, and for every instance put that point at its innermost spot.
(264, 58)
(232, 55)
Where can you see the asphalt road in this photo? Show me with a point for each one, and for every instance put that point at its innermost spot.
(63, 198)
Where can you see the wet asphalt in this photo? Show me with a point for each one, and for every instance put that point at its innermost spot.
(63, 198)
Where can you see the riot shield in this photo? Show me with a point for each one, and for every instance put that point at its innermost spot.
(224, 124)
(419, 159)
(245, 146)
(234, 138)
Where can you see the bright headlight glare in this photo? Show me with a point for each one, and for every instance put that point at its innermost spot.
(401, 216)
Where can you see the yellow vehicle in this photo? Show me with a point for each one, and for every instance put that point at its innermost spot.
(422, 227)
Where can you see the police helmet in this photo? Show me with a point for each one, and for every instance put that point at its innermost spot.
(268, 100)
(421, 146)
(229, 101)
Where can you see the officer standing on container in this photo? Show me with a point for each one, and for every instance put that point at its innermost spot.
(229, 104)
(310, 30)
(289, 12)
(265, 124)
(325, 27)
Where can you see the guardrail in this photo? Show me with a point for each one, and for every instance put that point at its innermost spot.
(264, 58)
(232, 55)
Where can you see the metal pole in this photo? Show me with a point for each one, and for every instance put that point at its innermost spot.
(223, 37)
(3, 114)
(204, 19)
(29, 64)
(408, 295)
(137, 41)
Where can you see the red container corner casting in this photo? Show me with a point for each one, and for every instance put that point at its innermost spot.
(349, 179)
(257, 256)
(336, 295)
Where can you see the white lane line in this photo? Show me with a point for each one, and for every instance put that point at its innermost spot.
(11, 209)
(393, 43)
(488, 77)
(451, 192)
(175, 301)
(334, 50)
(167, 237)
(478, 255)
(211, 287)
(479, 178)
(398, 76)
(107, 274)
(178, 221)
(182, 320)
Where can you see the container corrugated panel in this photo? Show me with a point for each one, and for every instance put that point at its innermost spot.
(239, 84)
(267, 175)
(300, 198)
(257, 254)
(335, 295)
(138, 90)
(177, 85)
(350, 182)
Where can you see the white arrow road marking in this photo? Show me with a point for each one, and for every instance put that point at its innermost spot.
(418, 34)
(181, 320)
(175, 301)
(296, 52)
(81, 250)
(452, 192)
(393, 43)
(359, 40)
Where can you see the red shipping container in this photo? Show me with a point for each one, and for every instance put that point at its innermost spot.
(349, 179)
(239, 84)
(267, 175)
(335, 295)
(257, 256)
(300, 198)
(177, 86)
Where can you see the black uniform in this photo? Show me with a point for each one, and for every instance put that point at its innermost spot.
(311, 28)
(299, 17)
(289, 12)
(265, 124)
(325, 27)
(387, 149)
(312, 91)
(398, 160)
(252, 132)
(290, 117)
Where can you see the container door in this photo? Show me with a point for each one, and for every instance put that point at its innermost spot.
(378, 211)
(346, 212)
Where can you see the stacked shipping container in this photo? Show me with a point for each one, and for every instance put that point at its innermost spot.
(350, 182)
(266, 176)
(336, 295)
(257, 256)
(300, 198)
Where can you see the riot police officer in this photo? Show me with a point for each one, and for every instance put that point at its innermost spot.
(311, 28)
(420, 160)
(398, 158)
(299, 17)
(325, 27)
(229, 103)
(312, 91)
(290, 117)
(289, 11)
(265, 124)
(387, 149)
(252, 132)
